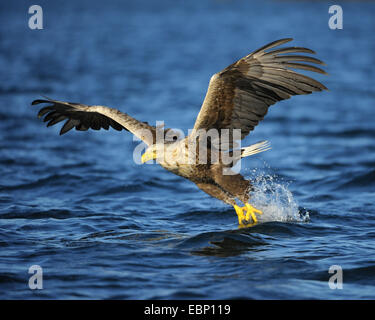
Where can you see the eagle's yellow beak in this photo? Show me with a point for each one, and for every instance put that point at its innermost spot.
(148, 155)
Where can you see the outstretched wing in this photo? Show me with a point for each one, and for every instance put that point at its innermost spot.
(239, 96)
(84, 117)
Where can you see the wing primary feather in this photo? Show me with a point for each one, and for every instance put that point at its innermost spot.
(56, 120)
(289, 50)
(304, 67)
(285, 58)
(294, 76)
(70, 124)
(44, 110)
(38, 101)
(271, 45)
(50, 116)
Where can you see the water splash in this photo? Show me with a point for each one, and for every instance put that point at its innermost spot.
(272, 196)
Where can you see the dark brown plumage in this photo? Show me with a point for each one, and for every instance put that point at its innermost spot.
(238, 97)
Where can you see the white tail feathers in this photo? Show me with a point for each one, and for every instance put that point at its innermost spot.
(255, 148)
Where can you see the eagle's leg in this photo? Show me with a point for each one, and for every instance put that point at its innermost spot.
(239, 188)
(217, 192)
(246, 215)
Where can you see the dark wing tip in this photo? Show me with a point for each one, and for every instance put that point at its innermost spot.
(285, 40)
(68, 125)
(38, 101)
(45, 100)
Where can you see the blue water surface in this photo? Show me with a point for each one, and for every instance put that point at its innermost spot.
(103, 227)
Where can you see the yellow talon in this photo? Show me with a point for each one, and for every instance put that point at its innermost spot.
(251, 212)
(240, 214)
(244, 220)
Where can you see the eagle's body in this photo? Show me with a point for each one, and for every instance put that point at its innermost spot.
(210, 176)
(237, 98)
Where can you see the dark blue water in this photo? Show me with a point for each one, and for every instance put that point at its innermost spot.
(101, 226)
